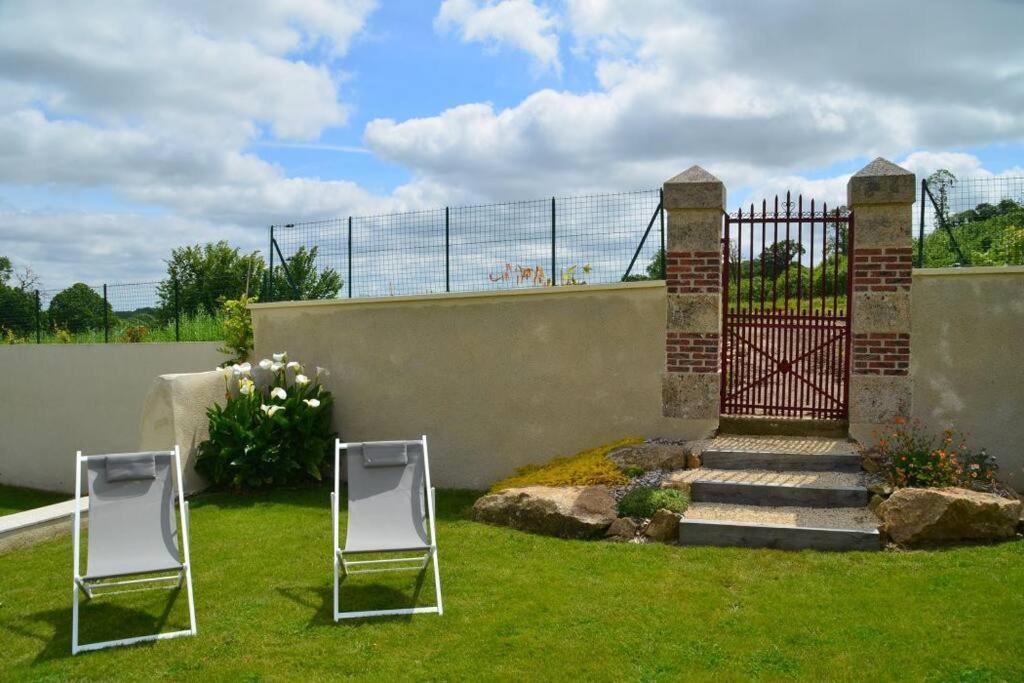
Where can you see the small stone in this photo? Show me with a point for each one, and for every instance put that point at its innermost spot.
(880, 488)
(870, 464)
(693, 461)
(678, 481)
(875, 501)
(664, 526)
(623, 529)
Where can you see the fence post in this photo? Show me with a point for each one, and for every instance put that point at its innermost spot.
(177, 312)
(106, 321)
(270, 279)
(447, 254)
(350, 257)
(661, 218)
(691, 385)
(39, 332)
(920, 230)
(881, 197)
(554, 264)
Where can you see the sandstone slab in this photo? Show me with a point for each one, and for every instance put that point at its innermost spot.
(565, 512)
(651, 456)
(664, 526)
(922, 516)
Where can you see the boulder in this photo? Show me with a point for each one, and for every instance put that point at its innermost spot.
(664, 526)
(921, 516)
(693, 461)
(623, 529)
(566, 512)
(875, 502)
(651, 456)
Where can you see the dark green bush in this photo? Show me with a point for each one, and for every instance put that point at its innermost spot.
(276, 435)
(645, 501)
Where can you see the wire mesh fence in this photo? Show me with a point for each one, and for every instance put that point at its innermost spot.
(537, 243)
(970, 221)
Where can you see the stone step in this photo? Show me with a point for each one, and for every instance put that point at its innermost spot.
(780, 461)
(746, 493)
(788, 528)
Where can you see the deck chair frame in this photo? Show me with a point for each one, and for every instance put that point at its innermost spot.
(342, 565)
(165, 579)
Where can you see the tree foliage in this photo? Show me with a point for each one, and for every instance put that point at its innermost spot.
(303, 280)
(207, 275)
(17, 303)
(79, 308)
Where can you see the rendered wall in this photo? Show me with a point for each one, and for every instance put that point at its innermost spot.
(495, 380)
(58, 398)
(967, 358)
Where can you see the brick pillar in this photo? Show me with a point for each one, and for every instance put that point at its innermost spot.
(694, 201)
(881, 196)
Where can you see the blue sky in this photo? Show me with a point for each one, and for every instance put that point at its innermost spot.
(127, 131)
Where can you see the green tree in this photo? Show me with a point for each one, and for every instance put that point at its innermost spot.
(207, 275)
(306, 281)
(653, 271)
(79, 308)
(17, 303)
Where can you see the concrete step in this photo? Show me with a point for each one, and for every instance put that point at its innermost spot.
(745, 493)
(788, 528)
(780, 461)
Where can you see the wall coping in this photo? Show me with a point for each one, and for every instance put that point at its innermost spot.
(456, 296)
(970, 270)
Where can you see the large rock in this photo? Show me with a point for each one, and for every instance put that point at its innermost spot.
(651, 456)
(921, 516)
(664, 526)
(566, 512)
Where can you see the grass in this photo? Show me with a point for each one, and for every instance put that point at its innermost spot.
(583, 469)
(527, 607)
(15, 499)
(201, 327)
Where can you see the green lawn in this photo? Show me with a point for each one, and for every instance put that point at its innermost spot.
(527, 607)
(15, 499)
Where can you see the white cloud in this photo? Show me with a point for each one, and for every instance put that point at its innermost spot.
(761, 90)
(520, 24)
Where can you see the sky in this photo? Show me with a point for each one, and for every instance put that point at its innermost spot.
(130, 128)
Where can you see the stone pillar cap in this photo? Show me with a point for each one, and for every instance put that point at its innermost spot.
(881, 182)
(694, 188)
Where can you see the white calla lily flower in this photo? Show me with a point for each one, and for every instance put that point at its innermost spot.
(265, 363)
(279, 357)
(294, 366)
(276, 367)
(322, 372)
(271, 410)
(301, 380)
(312, 402)
(245, 368)
(278, 392)
(245, 387)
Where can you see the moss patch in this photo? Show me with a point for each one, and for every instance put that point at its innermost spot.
(588, 468)
(645, 501)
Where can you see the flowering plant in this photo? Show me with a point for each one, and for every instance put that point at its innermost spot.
(912, 458)
(274, 428)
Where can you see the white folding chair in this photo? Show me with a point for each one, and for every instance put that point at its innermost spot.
(388, 489)
(133, 537)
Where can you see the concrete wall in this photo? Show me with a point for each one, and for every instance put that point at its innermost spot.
(496, 380)
(967, 358)
(58, 398)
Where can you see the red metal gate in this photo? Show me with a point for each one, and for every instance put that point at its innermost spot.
(786, 307)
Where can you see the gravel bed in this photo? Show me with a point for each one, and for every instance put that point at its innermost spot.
(650, 479)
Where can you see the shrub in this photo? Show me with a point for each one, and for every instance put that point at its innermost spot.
(237, 328)
(633, 471)
(645, 501)
(583, 469)
(273, 435)
(913, 458)
(135, 334)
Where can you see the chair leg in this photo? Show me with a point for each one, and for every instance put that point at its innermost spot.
(437, 583)
(74, 617)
